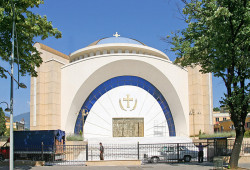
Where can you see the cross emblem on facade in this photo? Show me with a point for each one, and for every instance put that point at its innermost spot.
(128, 100)
(116, 35)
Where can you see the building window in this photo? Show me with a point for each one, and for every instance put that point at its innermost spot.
(224, 118)
(105, 52)
(98, 53)
(217, 119)
(248, 124)
(221, 128)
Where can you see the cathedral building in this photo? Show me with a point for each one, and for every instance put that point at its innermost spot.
(119, 87)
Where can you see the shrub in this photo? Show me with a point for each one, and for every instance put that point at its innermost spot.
(247, 134)
(74, 137)
(223, 134)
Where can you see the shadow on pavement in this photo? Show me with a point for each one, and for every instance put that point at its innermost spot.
(186, 163)
(21, 167)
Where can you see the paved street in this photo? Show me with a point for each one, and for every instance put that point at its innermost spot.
(175, 166)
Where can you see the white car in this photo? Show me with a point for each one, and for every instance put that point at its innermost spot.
(167, 153)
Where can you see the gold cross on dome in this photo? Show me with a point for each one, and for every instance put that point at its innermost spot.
(116, 35)
(128, 100)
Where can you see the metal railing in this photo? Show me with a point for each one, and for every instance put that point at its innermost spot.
(4, 138)
(53, 154)
(72, 155)
(174, 152)
(148, 153)
(114, 152)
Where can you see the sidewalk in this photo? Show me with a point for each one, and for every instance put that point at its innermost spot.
(159, 166)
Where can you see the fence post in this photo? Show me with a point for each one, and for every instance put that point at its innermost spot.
(227, 147)
(138, 151)
(215, 149)
(53, 152)
(87, 152)
(208, 152)
(178, 153)
(42, 151)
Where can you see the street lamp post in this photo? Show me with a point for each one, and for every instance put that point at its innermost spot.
(11, 91)
(19, 84)
(7, 108)
(11, 94)
(11, 111)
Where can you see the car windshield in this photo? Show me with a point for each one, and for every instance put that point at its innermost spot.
(182, 148)
(167, 149)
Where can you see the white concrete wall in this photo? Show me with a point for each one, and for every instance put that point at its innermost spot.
(107, 107)
(80, 78)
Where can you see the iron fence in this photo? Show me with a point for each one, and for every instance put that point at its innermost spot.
(245, 147)
(4, 138)
(148, 153)
(71, 155)
(174, 152)
(114, 152)
(53, 154)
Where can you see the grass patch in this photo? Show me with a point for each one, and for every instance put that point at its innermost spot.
(247, 134)
(223, 134)
(73, 137)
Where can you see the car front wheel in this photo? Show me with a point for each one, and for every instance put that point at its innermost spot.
(187, 158)
(155, 160)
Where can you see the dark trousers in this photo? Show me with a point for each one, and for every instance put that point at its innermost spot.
(200, 156)
(101, 156)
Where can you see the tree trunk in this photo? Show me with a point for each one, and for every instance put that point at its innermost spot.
(236, 148)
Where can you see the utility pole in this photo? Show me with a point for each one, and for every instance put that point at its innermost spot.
(11, 93)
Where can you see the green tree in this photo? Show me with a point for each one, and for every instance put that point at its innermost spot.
(216, 109)
(7, 133)
(2, 122)
(28, 25)
(217, 39)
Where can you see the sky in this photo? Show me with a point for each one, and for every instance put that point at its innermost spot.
(85, 21)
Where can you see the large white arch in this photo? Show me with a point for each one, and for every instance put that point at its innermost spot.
(80, 78)
(103, 111)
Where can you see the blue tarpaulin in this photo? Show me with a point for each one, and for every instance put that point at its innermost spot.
(32, 140)
(59, 134)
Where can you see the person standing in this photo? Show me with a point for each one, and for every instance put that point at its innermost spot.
(201, 153)
(101, 151)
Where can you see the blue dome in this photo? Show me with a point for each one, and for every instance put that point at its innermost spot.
(116, 40)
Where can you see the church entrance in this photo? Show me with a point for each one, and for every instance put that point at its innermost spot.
(125, 106)
(128, 127)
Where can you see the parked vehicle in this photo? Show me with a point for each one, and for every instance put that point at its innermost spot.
(38, 145)
(4, 151)
(172, 153)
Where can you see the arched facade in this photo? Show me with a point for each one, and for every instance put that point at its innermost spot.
(151, 69)
(125, 81)
(170, 97)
